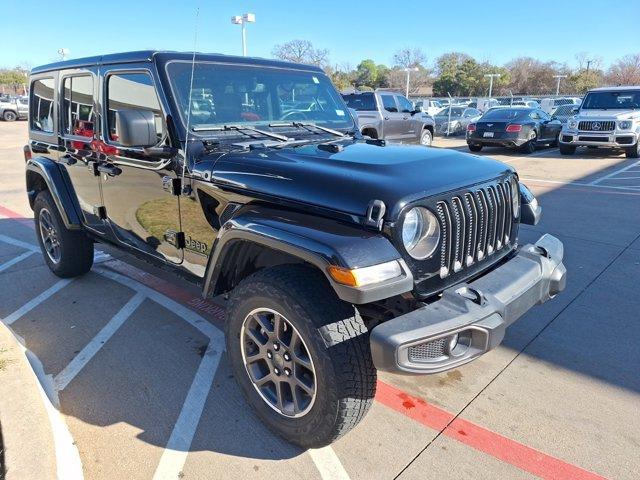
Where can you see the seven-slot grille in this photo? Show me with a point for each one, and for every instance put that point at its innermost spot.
(474, 225)
(597, 126)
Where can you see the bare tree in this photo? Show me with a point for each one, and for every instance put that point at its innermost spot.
(626, 71)
(301, 51)
(409, 58)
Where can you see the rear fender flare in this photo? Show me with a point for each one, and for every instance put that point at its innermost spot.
(42, 171)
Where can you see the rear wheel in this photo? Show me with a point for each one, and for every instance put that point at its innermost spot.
(67, 253)
(474, 148)
(567, 149)
(300, 355)
(426, 138)
(530, 146)
(9, 116)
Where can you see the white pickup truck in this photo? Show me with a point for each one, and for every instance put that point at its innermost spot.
(608, 117)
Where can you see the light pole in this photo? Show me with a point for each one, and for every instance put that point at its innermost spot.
(491, 77)
(243, 20)
(559, 77)
(408, 70)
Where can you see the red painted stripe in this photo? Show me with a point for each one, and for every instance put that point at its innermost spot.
(475, 436)
(6, 212)
(491, 443)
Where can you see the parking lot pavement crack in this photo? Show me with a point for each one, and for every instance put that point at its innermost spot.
(457, 416)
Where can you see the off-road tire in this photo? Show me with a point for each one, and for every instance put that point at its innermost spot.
(567, 149)
(9, 116)
(474, 148)
(76, 249)
(336, 338)
(633, 151)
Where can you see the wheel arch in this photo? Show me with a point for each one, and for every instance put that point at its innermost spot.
(264, 237)
(44, 174)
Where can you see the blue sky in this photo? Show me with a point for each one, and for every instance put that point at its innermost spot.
(496, 31)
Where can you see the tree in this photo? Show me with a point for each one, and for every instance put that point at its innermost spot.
(626, 71)
(367, 73)
(301, 51)
(409, 58)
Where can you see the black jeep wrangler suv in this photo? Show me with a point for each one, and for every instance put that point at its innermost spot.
(338, 255)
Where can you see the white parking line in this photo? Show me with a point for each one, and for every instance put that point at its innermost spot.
(80, 361)
(33, 303)
(578, 184)
(175, 453)
(328, 463)
(15, 260)
(613, 174)
(18, 243)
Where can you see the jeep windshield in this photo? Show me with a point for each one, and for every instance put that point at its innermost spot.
(613, 100)
(224, 95)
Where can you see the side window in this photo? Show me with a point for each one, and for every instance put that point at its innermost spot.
(534, 115)
(77, 106)
(131, 91)
(405, 105)
(543, 115)
(42, 105)
(389, 103)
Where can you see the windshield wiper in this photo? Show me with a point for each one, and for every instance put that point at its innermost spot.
(308, 126)
(241, 129)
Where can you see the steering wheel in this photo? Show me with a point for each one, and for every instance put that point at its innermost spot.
(295, 115)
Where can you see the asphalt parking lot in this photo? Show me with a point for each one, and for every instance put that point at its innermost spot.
(133, 359)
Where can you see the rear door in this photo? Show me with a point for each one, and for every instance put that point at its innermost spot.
(391, 117)
(77, 107)
(140, 212)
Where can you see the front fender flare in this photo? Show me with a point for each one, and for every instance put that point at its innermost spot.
(57, 183)
(318, 241)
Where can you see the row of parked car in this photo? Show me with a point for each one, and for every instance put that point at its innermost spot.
(609, 117)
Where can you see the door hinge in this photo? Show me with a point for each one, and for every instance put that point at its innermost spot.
(174, 238)
(100, 212)
(93, 168)
(171, 185)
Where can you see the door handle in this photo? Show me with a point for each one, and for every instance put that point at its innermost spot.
(68, 159)
(109, 169)
(386, 118)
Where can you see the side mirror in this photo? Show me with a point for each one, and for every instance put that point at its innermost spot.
(136, 128)
(575, 109)
(418, 109)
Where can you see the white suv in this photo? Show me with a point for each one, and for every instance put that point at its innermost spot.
(608, 117)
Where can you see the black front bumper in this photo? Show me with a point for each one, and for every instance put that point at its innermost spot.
(470, 318)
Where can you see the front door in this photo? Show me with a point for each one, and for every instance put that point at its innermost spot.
(410, 124)
(391, 117)
(141, 213)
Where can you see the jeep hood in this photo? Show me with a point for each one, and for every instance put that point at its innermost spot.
(349, 179)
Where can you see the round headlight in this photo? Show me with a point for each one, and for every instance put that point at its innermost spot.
(572, 123)
(515, 197)
(625, 124)
(420, 233)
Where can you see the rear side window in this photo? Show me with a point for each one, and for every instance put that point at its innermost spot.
(361, 101)
(131, 91)
(42, 105)
(389, 103)
(77, 106)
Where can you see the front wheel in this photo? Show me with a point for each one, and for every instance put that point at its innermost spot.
(300, 355)
(426, 138)
(634, 151)
(9, 116)
(567, 149)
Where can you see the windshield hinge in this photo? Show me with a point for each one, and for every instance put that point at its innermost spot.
(171, 185)
(375, 214)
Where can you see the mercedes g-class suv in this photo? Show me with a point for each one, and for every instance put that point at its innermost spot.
(392, 117)
(338, 255)
(608, 117)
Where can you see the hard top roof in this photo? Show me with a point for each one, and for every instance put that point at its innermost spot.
(164, 56)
